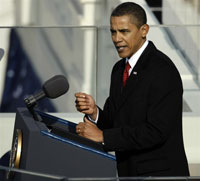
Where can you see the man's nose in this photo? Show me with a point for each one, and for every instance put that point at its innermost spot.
(118, 38)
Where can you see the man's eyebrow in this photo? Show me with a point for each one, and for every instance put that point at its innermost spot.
(124, 29)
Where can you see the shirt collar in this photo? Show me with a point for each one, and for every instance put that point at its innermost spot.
(134, 58)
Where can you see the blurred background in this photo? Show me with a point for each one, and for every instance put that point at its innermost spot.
(43, 38)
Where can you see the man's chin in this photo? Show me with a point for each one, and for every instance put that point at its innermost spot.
(122, 55)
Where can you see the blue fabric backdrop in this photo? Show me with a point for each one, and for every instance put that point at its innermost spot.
(21, 79)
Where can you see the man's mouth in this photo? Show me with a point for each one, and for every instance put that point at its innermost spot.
(120, 48)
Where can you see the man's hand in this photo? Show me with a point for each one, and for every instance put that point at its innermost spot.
(86, 104)
(89, 130)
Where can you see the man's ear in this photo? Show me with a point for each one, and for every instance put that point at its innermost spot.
(145, 30)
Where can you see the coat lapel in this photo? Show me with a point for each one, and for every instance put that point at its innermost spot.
(117, 83)
(136, 75)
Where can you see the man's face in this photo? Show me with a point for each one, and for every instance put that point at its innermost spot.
(126, 36)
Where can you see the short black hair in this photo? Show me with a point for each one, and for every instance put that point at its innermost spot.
(131, 9)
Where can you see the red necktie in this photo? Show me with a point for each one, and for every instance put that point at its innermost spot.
(126, 73)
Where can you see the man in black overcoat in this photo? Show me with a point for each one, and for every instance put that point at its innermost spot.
(142, 117)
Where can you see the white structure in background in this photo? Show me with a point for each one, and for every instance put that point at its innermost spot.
(188, 38)
(89, 42)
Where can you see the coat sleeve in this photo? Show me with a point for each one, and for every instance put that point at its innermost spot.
(105, 120)
(163, 116)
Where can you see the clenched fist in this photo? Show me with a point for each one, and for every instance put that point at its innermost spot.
(86, 104)
(89, 130)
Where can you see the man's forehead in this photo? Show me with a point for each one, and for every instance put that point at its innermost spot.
(123, 20)
(121, 25)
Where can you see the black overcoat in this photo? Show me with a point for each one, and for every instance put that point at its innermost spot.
(142, 122)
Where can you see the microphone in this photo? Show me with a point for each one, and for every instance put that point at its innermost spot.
(1, 53)
(52, 88)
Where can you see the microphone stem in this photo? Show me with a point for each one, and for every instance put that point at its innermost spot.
(39, 95)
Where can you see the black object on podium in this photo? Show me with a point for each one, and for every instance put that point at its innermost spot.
(52, 146)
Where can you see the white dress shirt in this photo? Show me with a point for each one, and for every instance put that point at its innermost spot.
(134, 58)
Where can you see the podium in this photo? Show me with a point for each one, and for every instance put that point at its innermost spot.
(51, 146)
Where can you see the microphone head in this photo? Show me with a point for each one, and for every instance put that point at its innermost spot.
(56, 86)
(1, 53)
